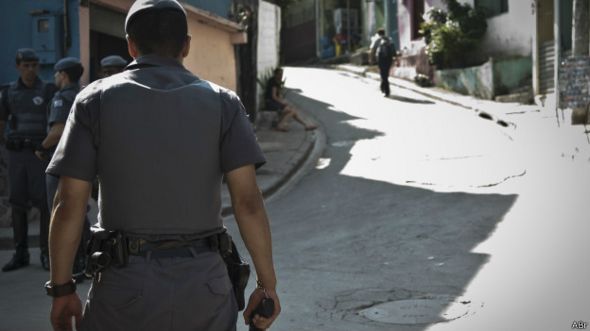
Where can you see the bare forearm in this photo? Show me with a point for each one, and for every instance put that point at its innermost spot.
(255, 231)
(66, 226)
(53, 136)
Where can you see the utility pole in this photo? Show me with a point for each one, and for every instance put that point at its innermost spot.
(557, 40)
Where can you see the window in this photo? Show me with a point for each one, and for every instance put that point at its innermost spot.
(492, 7)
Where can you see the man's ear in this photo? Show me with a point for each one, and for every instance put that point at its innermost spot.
(132, 47)
(187, 47)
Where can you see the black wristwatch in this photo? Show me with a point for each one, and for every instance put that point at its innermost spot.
(57, 291)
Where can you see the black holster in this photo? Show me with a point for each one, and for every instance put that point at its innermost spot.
(237, 269)
(105, 249)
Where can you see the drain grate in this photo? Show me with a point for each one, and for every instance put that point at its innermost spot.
(418, 311)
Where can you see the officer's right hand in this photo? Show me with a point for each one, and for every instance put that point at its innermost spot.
(255, 299)
(63, 310)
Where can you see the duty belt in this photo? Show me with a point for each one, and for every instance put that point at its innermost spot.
(169, 248)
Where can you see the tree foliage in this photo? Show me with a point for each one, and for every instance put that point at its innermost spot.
(453, 34)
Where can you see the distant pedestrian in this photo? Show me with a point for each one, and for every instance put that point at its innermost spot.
(160, 141)
(112, 64)
(274, 100)
(67, 76)
(24, 106)
(382, 52)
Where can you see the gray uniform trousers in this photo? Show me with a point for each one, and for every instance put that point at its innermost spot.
(163, 294)
(26, 176)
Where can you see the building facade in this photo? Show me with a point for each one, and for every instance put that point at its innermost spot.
(92, 29)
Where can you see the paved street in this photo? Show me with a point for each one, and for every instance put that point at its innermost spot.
(413, 214)
(418, 200)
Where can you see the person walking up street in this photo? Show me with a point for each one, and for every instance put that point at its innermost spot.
(382, 51)
(160, 140)
(67, 76)
(23, 105)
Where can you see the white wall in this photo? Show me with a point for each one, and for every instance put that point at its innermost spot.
(511, 33)
(269, 37)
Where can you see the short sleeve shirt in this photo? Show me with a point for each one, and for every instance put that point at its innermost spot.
(77, 151)
(60, 105)
(159, 139)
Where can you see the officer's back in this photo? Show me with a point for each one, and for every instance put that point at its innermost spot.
(155, 117)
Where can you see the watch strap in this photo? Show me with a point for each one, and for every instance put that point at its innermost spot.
(61, 290)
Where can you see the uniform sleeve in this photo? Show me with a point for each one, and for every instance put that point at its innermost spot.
(239, 146)
(76, 152)
(59, 109)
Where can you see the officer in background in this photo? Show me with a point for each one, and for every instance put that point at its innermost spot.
(163, 142)
(112, 64)
(24, 106)
(67, 77)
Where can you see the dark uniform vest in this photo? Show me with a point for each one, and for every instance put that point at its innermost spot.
(27, 108)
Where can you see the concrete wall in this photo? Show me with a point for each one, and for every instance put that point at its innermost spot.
(212, 55)
(512, 73)
(16, 32)
(510, 33)
(477, 81)
(269, 40)
(269, 29)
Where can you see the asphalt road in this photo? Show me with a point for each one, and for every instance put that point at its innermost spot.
(428, 218)
(414, 212)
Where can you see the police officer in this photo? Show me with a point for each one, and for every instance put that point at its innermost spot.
(159, 139)
(24, 106)
(112, 64)
(67, 76)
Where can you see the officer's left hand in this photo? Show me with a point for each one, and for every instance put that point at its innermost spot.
(260, 322)
(63, 310)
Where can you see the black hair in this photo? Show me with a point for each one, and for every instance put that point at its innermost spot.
(381, 32)
(162, 32)
(74, 73)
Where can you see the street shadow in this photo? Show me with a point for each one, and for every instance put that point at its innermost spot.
(343, 244)
(410, 100)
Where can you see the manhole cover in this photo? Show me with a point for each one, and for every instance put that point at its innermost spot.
(418, 311)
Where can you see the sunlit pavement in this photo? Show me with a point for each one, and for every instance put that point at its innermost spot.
(412, 199)
(533, 271)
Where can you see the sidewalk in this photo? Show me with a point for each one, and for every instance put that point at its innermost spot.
(533, 123)
(285, 152)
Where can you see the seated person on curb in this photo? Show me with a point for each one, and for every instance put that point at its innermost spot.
(275, 101)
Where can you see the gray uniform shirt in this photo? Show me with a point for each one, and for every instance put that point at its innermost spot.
(159, 139)
(60, 106)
